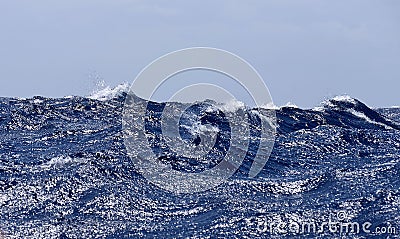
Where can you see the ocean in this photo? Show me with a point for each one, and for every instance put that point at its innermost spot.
(65, 173)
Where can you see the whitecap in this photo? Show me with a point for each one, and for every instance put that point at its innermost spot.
(108, 93)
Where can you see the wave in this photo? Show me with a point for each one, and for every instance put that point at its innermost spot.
(65, 171)
(108, 92)
(341, 111)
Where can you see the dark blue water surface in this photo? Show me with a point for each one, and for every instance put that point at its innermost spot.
(65, 173)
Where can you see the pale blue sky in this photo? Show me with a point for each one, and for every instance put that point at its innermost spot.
(306, 50)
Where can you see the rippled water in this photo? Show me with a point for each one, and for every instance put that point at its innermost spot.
(65, 173)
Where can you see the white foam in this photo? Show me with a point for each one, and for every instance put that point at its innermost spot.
(60, 161)
(344, 98)
(270, 106)
(318, 108)
(199, 128)
(108, 93)
(366, 118)
(328, 102)
(290, 105)
(232, 106)
(37, 101)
